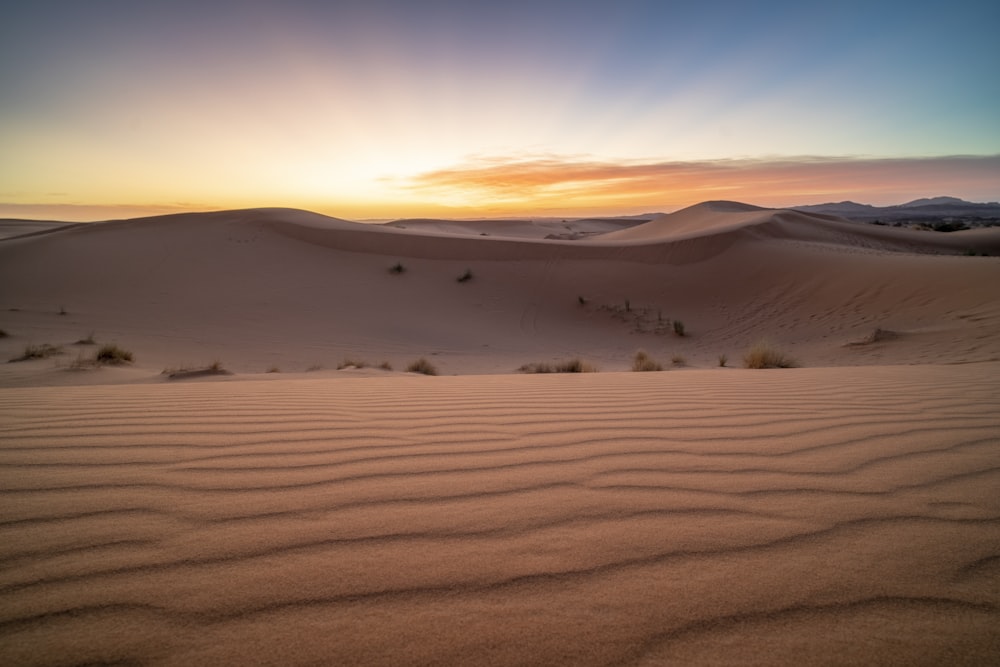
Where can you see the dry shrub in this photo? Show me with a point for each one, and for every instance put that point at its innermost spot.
(765, 355)
(642, 362)
(113, 355)
(571, 366)
(42, 351)
(421, 365)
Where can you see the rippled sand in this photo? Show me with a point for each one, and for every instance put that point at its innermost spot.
(805, 516)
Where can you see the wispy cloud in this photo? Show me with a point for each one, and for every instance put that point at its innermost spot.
(548, 181)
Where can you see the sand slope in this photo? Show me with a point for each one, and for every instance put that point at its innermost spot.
(812, 516)
(270, 288)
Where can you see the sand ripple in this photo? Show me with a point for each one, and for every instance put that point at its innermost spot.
(825, 516)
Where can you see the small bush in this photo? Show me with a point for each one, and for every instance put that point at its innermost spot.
(273, 369)
(678, 360)
(571, 366)
(42, 351)
(89, 340)
(540, 367)
(113, 355)
(385, 365)
(351, 363)
(723, 360)
(678, 327)
(581, 300)
(574, 366)
(397, 268)
(765, 355)
(643, 363)
(421, 365)
(63, 311)
(465, 277)
(215, 368)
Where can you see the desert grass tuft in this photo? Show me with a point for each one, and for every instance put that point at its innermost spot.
(352, 363)
(536, 367)
(570, 366)
(215, 368)
(112, 355)
(88, 340)
(764, 355)
(465, 277)
(397, 268)
(679, 328)
(723, 360)
(421, 365)
(273, 369)
(385, 365)
(42, 351)
(574, 366)
(678, 360)
(642, 362)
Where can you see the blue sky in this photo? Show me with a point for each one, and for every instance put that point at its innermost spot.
(356, 108)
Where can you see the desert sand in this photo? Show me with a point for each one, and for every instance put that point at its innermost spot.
(846, 511)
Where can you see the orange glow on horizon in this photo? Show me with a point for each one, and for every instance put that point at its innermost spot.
(569, 186)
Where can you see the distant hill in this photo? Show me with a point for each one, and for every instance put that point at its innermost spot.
(933, 208)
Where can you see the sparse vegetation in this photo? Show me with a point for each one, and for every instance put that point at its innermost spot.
(571, 366)
(642, 362)
(351, 363)
(385, 365)
(112, 355)
(678, 360)
(273, 369)
(42, 351)
(678, 328)
(574, 366)
(397, 268)
(537, 367)
(88, 340)
(421, 365)
(723, 360)
(765, 355)
(465, 277)
(63, 311)
(313, 368)
(581, 300)
(215, 368)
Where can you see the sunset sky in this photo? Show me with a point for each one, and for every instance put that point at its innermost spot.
(393, 108)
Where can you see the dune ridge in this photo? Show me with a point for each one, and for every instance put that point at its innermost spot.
(279, 288)
(505, 519)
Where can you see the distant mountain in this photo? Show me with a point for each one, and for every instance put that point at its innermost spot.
(920, 209)
(936, 201)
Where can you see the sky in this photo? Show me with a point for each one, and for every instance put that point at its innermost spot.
(381, 109)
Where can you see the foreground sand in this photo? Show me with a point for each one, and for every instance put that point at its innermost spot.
(807, 516)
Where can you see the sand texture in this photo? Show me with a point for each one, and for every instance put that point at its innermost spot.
(809, 515)
(843, 512)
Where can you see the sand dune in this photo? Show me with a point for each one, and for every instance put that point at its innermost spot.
(815, 515)
(846, 512)
(294, 290)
